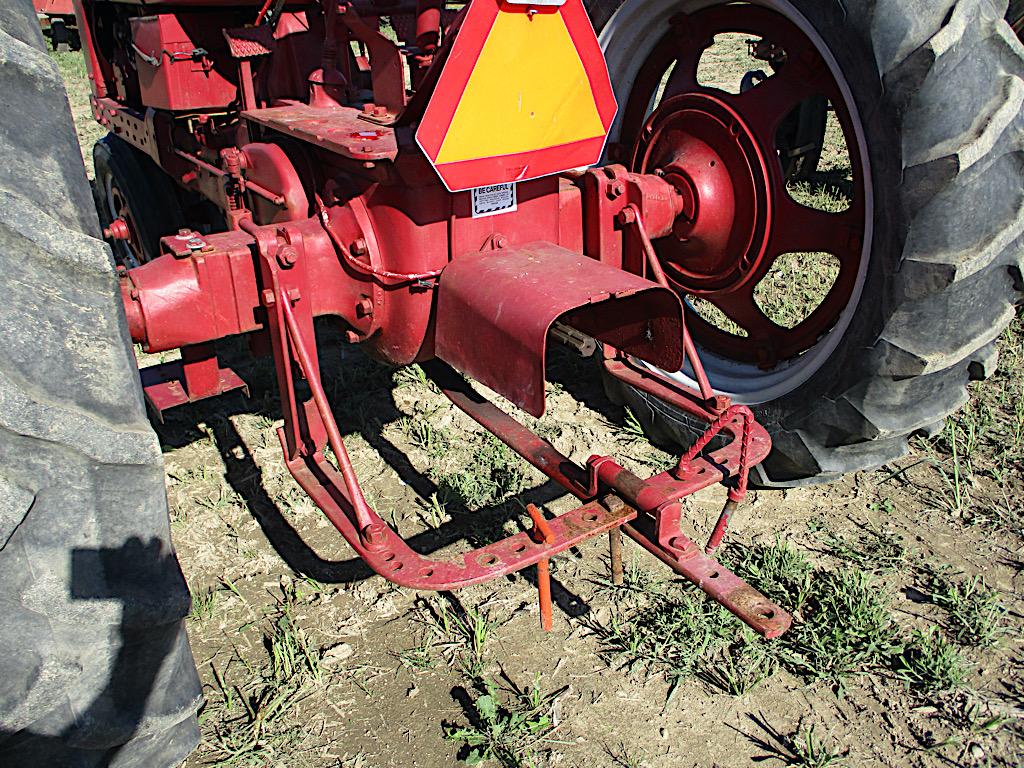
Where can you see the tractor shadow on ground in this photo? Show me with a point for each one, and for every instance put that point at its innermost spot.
(361, 393)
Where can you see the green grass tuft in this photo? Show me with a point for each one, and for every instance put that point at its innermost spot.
(931, 663)
(849, 628)
(781, 572)
(671, 632)
(975, 612)
(496, 475)
(509, 726)
(203, 604)
(808, 751)
(459, 635)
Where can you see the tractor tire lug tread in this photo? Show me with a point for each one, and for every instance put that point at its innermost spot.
(96, 666)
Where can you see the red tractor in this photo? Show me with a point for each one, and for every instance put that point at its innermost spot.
(57, 19)
(455, 187)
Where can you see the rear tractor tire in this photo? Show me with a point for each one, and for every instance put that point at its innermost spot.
(95, 668)
(928, 97)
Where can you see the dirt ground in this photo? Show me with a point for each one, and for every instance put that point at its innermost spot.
(905, 584)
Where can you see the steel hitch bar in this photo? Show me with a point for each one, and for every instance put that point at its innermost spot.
(612, 498)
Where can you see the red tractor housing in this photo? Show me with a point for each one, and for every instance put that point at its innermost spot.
(298, 123)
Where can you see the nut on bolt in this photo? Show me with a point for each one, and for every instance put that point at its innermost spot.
(364, 307)
(616, 189)
(118, 230)
(374, 536)
(287, 256)
(626, 216)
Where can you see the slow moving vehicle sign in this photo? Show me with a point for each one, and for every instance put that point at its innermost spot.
(524, 93)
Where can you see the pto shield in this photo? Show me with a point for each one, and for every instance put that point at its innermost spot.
(524, 93)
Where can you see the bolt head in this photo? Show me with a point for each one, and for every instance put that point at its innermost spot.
(626, 216)
(268, 298)
(364, 307)
(287, 256)
(616, 189)
(358, 247)
(374, 535)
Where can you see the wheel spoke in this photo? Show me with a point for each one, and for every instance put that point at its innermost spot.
(740, 307)
(767, 104)
(799, 229)
(683, 77)
(669, 53)
(826, 314)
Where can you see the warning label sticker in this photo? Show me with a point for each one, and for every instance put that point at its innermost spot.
(494, 199)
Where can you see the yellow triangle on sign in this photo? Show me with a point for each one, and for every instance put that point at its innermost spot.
(528, 91)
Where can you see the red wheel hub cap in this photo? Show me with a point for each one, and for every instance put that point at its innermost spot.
(705, 150)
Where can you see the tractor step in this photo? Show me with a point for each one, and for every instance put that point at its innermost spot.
(196, 376)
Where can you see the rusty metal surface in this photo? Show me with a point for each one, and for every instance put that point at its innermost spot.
(494, 311)
(722, 585)
(339, 130)
(393, 559)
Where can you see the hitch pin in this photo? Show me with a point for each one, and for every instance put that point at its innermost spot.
(542, 534)
(615, 555)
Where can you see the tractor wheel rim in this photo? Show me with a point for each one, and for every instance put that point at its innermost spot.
(772, 360)
(129, 252)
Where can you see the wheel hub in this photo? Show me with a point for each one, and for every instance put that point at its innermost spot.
(704, 148)
(744, 223)
(127, 243)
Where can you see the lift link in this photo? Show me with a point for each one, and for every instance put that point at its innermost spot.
(636, 505)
